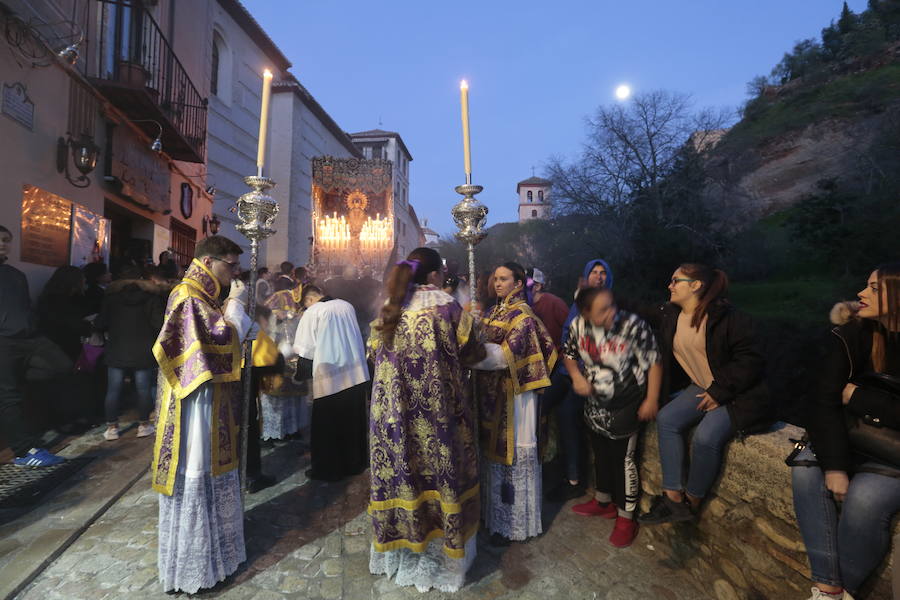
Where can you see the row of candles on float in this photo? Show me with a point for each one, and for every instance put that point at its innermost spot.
(333, 232)
(377, 234)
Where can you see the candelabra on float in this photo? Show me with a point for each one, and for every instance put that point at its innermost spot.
(256, 211)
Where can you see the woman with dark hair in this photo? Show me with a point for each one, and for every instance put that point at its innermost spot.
(424, 464)
(520, 357)
(709, 353)
(61, 310)
(858, 395)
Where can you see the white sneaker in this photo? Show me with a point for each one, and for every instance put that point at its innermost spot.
(145, 429)
(818, 594)
(112, 433)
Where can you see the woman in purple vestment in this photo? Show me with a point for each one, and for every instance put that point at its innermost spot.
(520, 357)
(424, 499)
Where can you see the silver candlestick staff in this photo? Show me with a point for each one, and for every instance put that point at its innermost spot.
(256, 211)
(470, 215)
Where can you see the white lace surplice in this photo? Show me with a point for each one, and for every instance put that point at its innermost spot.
(283, 415)
(520, 519)
(201, 525)
(425, 570)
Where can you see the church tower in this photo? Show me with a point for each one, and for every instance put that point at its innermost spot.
(534, 199)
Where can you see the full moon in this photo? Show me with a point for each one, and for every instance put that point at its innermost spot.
(623, 92)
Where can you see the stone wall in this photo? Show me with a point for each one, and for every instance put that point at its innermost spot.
(746, 545)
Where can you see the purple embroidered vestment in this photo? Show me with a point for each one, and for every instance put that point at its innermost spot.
(530, 355)
(195, 346)
(424, 463)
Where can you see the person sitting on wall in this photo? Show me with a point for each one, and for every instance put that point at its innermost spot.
(849, 462)
(709, 353)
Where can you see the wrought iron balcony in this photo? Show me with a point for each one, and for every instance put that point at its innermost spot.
(138, 71)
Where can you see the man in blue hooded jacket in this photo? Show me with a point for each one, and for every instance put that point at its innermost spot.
(597, 273)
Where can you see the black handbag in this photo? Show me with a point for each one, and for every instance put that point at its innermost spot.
(867, 435)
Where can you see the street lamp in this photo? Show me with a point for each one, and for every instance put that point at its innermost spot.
(156, 145)
(211, 224)
(84, 157)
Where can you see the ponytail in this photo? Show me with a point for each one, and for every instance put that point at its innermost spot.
(399, 286)
(715, 288)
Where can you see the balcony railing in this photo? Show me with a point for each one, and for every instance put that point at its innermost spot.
(140, 73)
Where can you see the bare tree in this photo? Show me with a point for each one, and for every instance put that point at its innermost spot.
(630, 149)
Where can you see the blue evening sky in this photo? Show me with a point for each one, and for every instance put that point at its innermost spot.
(535, 70)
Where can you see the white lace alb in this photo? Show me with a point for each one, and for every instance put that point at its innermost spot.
(283, 415)
(511, 495)
(201, 532)
(425, 570)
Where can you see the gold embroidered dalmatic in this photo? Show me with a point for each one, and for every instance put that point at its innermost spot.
(196, 346)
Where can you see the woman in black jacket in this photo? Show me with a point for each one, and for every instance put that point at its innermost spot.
(858, 381)
(131, 316)
(710, 354)
(61, 310)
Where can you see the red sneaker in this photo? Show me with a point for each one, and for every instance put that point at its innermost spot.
(592, 508)
(623, 533)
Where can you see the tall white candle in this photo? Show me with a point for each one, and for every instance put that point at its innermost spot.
(264, 121)
(467, 145)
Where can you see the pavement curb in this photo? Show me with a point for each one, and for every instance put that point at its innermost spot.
(38, 537)
(34, 573)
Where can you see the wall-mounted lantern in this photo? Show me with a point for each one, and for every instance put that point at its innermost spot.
(84, 156)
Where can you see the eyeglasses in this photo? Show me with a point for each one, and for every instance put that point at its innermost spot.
(676, 280)
(235, 266)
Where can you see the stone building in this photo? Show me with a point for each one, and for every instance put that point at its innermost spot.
(534, 199)
(104, 129)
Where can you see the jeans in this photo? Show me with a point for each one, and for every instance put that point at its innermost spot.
(844, 549)
(713, 432)
(31, 359)
(143, 381)
(571, 419)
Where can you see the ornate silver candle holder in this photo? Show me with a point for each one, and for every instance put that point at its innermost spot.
(470, 216)
(256, 210)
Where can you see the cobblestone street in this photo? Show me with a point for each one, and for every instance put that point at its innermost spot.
(311, 540)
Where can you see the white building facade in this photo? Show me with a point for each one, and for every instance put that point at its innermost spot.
(534, 199)
(299, 129)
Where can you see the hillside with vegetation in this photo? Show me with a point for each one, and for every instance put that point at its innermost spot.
(825, 120)
(798, 199)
